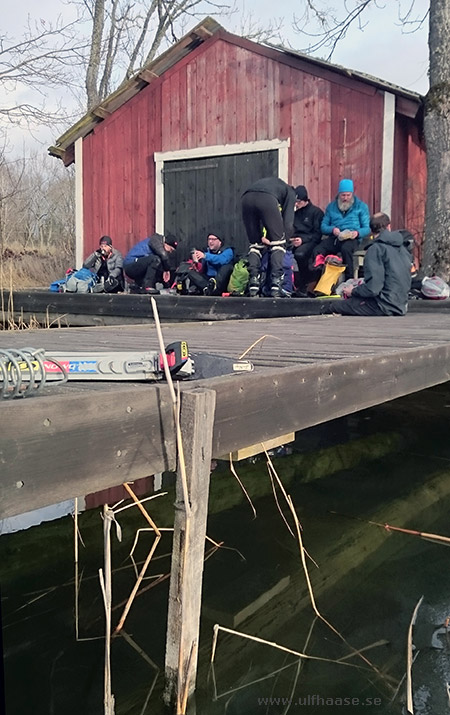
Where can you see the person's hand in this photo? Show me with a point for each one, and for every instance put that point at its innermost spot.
(296, 241)
(265, 240)
(355, 234)
(198, 255)
(347, 291)
(336, 231)
(166, 276)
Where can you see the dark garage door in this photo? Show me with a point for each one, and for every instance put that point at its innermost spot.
(204, 195)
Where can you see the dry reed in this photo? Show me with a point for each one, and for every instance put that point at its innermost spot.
(409, 660)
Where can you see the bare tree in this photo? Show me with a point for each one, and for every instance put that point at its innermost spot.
(45, 58)
(331, 26)
(126, 35)
(437, 138)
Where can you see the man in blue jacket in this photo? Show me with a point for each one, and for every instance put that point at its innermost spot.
(345, 223)
(216, 262)
(149, 261)
(387, 275)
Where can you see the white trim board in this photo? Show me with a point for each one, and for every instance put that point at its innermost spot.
(387, 162)
(160, 157)
(79, 215)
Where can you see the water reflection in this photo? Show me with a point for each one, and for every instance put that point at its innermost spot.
(389, 464)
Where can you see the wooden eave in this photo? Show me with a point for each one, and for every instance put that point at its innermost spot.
(407, 103)
(64, 145)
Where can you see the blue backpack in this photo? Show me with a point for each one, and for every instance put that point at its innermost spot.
(288, 279)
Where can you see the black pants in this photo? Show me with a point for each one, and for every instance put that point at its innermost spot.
(145, 271)
(260, 211)
(352, 306)
(275, 265)
(346, 249)
(201, 280)
(302, 255)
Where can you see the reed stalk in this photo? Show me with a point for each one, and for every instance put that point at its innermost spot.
(409, 660)
(256, 639)
(307, 577)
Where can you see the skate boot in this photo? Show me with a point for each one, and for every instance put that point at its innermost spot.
(277, 290)
(253, 286)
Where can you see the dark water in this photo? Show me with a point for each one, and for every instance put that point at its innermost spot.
(388, 464)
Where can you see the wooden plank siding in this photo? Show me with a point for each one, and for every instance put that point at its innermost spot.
(231, 91)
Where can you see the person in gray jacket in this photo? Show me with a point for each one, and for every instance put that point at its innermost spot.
(387, 275)
(107, 263)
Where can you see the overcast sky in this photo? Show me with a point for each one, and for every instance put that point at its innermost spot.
(380, 48)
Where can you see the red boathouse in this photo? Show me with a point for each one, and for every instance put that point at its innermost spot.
(174, 147)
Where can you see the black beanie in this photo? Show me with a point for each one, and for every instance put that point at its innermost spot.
(171, 240)
(301, 193)
(105, 239)
(211, 233)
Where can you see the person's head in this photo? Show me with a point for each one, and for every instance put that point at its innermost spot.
(301, 197)
(170, 242)
(215, 243)
(105, 245)
(379, 222)
(345, 194)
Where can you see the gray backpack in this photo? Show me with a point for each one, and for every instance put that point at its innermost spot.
(81, 281)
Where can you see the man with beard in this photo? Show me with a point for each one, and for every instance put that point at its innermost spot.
(345, 223)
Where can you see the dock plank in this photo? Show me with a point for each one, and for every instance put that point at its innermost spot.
(88, 436)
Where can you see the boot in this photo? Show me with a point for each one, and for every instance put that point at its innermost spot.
(277, 290)
(253, 286)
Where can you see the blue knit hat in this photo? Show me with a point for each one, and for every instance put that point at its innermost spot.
(345, 185)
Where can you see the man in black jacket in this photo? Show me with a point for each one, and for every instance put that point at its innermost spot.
(268, 204)
(387, 276)
(149, 261)
(306, 236)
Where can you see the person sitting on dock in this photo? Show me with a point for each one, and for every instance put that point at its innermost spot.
(216, 265)
(345, 223)
(387, 276)
(306, 235)
(149, 261)
(268, 203)
(107, 263)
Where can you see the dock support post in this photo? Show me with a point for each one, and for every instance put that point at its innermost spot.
(197, 421)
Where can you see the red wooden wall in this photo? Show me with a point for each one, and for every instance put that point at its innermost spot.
(227, 92)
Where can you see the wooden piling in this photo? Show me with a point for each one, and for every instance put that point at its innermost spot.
(196, 422)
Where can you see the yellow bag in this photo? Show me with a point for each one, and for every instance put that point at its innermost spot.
(329, 279)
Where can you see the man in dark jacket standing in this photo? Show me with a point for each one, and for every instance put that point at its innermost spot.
(149, 261)
(268, 203)
(387, 276)
(305, 237)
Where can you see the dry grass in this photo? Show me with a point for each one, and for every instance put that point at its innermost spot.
(21, 269)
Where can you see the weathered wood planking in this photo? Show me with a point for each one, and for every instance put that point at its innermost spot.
(73, 309)
(108, 433)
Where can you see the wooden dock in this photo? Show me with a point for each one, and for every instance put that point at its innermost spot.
(96, 309)
(83, 437)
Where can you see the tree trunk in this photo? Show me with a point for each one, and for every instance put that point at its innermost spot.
(93, 68)
(437, 138)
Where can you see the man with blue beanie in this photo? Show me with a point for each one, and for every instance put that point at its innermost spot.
(345, 223)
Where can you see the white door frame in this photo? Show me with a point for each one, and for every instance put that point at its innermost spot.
(202, 152)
